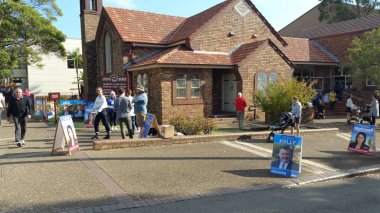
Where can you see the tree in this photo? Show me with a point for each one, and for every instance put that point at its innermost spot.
(26, 32)
(76, 57)
(363, 58)
(277, 97)
(340, 10)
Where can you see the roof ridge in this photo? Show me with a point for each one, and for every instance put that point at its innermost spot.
(168, 54)
(141, 11)
(336, 59)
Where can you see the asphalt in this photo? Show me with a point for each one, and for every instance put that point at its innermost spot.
(31, 180)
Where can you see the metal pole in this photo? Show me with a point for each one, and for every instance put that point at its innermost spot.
(76, 69)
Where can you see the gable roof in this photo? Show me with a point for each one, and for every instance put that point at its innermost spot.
(353, 25)
(144, 27)
(305, 50)
(181, 55)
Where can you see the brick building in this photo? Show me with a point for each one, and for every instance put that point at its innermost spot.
(192, 65)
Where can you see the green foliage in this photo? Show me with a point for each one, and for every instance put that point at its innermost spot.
(340, 10)
(363, 59)
(192, 125)
(26, 32)
(277, 97)
(77, 57)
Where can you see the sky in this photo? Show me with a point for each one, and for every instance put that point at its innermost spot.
(279, 13)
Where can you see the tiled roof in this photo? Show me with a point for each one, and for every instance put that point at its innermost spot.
(138, 26)
(244, 50)
(304, 50)
(353, 25)
(193, 23)
(180, 55)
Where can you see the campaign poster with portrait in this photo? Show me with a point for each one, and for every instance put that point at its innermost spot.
(38, 108)
(89, 116)
(150, 122)
(65, 135)
(65, 108)
(363, 139)
(49, 110)
(79, 108)
(287, 155)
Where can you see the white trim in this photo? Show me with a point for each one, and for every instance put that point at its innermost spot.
(209, 52)
(241, 12)
(314, 63)
(369, 85)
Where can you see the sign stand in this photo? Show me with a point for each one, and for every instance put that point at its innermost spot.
(150, 122)
(65, 136)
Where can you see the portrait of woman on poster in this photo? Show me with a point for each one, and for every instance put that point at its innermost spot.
(359, 142)
(73, 140)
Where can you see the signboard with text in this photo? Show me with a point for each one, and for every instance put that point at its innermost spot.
(113, 82)
(287, 155)
(363, 139)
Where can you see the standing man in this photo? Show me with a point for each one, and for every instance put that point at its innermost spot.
(297, 112)
(140, 103)
(2, 106)
(374, 109)
(285, 159)
(240, 105)
(332, 99)
(122, 107)
(19, 108)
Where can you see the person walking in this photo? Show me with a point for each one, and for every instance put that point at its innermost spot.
(332, 99)
(110, 110)
(349, 108)
(297, 112)
(374, 109)
(2, 106)
(240, 105)
(123, 107)
(132, 112)
(100, 107)
(19, 108)
(140, 103)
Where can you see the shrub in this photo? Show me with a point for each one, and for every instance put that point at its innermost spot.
(189, 125)
(277, 97)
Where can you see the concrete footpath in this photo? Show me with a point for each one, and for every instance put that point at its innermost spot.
(31, 180)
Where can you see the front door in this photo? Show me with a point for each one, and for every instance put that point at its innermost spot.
(229, 92)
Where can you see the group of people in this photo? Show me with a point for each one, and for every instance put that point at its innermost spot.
(127, 110)
(373, 108)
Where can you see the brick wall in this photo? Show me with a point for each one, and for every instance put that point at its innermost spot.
(89, 24)
(214, 35)
(267, 60)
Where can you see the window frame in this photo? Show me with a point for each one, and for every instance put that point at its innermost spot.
(107, 53)
(267, 80)
(188, 99)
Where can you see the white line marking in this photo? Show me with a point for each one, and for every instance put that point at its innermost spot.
(345, 134)
(6, 139)
(246, 149)
(344, 137)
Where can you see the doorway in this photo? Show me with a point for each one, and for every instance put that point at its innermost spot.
(229, 92)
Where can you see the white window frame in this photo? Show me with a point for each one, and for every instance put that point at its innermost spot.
(185, 87)
(195, 77)
(108, 53)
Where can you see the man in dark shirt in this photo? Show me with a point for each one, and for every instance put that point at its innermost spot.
(19, 108)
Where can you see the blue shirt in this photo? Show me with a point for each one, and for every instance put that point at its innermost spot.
(140, 101)
(110, 103)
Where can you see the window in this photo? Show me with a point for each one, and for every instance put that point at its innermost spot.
(108, 53)
(242, 8)
(70, 63)
(369, 83)
(262, 81)
(187, 89)
(93, 5)
(195, 86)
(181, 86)
(273, 77)
(145, 82)
(139, 79)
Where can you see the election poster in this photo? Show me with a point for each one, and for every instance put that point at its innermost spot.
(150, 122)
(49, 110)
(287, 155)
(363, 139)
(89, 116)
(38, 108)
(65, 136)
(79, 108)
(65, 108)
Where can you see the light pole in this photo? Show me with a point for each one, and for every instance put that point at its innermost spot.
(76, 70)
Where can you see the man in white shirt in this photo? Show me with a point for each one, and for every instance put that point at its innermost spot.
(2, 105)
(349, 108)
(285, 159)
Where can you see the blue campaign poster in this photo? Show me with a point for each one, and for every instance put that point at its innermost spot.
(363, 139)
(38, 108)
(79, 108)
(287, 155)
(65, 107)
(89, 116)
(144, 130)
